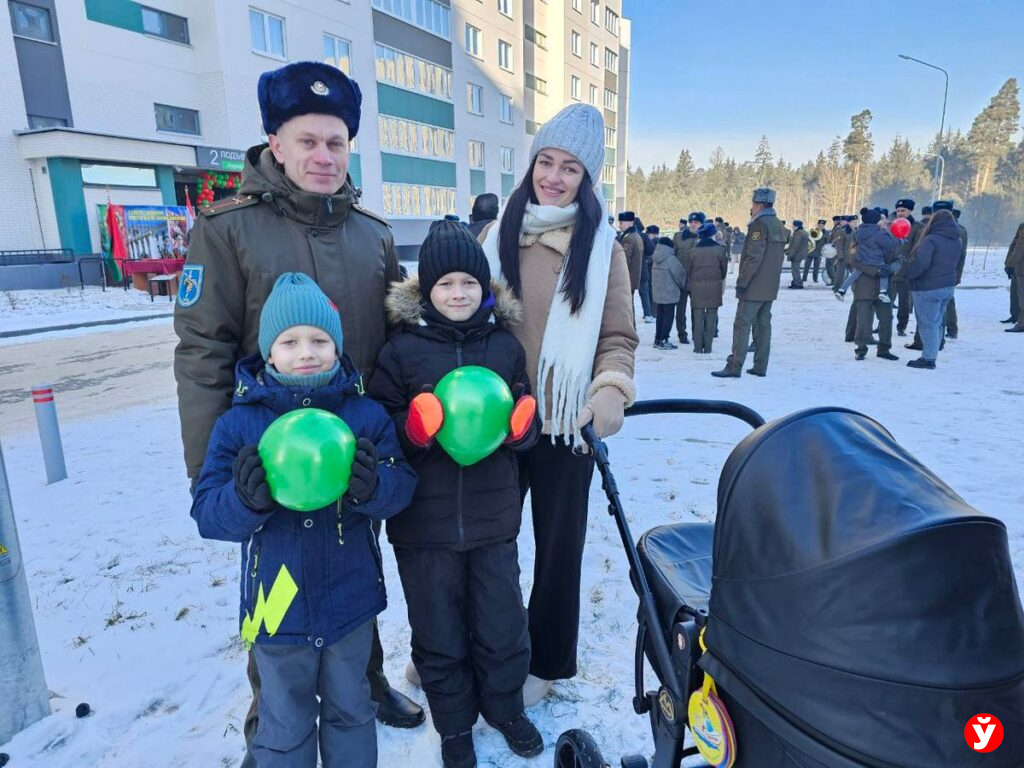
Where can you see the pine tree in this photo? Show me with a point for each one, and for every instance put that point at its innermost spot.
(763, 161)
(990, 137)
(858, 147)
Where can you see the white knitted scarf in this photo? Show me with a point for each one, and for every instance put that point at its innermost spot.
(570, 341)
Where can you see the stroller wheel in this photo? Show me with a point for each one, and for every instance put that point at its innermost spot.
(577, 749)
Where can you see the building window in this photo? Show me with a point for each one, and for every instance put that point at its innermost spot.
(505, 56)
(412, 73)
(595, 11)
(476, 155)
(595, 55)
(609, 99)
(430, 15)
(609, 136)
(574, 87)
(417, 200)
(611, 60)
(593, 95)
(474, 41)
(576, 43)
(338, 53)
(38, 121)
(611, 21)
(399, 135)
(536, 37)
(176, 119)
(266, 33)
(536, 83)
(608, 174)
(165, 25)
(505, 7)
(474, 98)
(31, 22)
(118, 175)
(577, 6)
(508, 157)
(505, 113)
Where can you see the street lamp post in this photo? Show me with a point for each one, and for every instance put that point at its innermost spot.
(942, 124)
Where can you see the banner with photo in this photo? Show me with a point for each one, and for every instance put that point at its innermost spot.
(150, 231)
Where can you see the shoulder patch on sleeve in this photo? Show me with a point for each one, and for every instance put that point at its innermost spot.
(229, 204)
(755, 235)
(371, 214)
(191, 287)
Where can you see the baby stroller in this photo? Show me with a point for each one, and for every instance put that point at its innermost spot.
(855, 611)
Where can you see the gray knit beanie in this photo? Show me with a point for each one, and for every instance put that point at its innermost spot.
(579, 130)
(297, 300)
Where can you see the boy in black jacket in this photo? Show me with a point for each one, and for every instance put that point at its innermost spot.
(456, 543)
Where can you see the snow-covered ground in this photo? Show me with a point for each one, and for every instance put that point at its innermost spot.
(138, 616)
(24, 310)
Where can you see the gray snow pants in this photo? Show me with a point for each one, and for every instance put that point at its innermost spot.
(292, 679)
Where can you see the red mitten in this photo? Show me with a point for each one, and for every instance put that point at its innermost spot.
(521, 420)
(426, 415)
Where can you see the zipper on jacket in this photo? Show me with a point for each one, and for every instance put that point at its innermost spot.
(458, 512)
(377, 557)
(252, 578)
(341, 531)
(458, 353)
(245, 579)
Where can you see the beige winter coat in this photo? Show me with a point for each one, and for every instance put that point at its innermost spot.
(540, 263)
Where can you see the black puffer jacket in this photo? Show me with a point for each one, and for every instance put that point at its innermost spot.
(454, 507)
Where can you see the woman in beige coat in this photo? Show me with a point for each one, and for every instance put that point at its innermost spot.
(554, 248)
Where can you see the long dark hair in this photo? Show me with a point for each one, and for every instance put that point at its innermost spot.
(588, 218)
(941, 215)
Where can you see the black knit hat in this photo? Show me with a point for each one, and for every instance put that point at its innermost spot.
(450, 247)
(870, 215)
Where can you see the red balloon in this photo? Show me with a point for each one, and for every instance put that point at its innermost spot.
(900, 228)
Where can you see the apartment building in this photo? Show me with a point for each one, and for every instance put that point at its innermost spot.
(131, 102)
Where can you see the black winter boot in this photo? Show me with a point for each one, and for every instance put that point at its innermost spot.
(457, 751)
(393, 708)
(522, 736)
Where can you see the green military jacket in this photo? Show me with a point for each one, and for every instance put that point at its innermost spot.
(761, 260)
(798, 249)
(237, 250)
(1015, 253)
(633, 245)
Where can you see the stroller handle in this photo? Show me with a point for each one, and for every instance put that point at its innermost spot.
(720, 407)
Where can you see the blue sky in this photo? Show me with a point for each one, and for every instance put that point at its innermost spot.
(722, 73)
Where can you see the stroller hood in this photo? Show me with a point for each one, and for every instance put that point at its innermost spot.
(858, 597)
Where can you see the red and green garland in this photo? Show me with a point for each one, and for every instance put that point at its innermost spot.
(211, 181)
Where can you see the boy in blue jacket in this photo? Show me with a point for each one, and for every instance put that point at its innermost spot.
(312, 582)
(873, 245)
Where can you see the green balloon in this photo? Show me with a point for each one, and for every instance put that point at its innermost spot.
(477, 405)
(308, 457)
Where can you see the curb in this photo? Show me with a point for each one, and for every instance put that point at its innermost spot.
(90, 324)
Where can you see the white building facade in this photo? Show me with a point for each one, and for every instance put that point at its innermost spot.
(132, 102)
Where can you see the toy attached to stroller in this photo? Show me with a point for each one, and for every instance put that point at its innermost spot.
(846, 609)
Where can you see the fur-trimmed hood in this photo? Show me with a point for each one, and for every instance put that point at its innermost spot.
(403, 302)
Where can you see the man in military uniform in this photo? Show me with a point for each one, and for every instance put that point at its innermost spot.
(952, 323)
(684, 240)
(904, 210)
(842, 239)
(814, 259)
(757, 286)
(1014, 266)
(633, 245)
(867, 301)
(797, 251)
(296, 211)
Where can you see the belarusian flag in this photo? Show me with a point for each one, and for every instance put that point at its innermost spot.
(190, 215)
(118, 239)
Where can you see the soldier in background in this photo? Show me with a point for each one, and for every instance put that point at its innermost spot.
(757, 287)
(1014, 265)
(684, 240)
(797, 251)
(952, 324)
(904, 209)
(814, 259)
(633, 244)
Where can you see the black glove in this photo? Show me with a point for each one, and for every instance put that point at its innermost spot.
(251, 480)
(1009, 272)
(884, 271)
(363, 483)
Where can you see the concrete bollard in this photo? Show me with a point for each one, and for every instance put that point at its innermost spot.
(23, 690)
(49, 433)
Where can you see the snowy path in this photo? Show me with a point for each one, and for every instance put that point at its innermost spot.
(137, 615)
